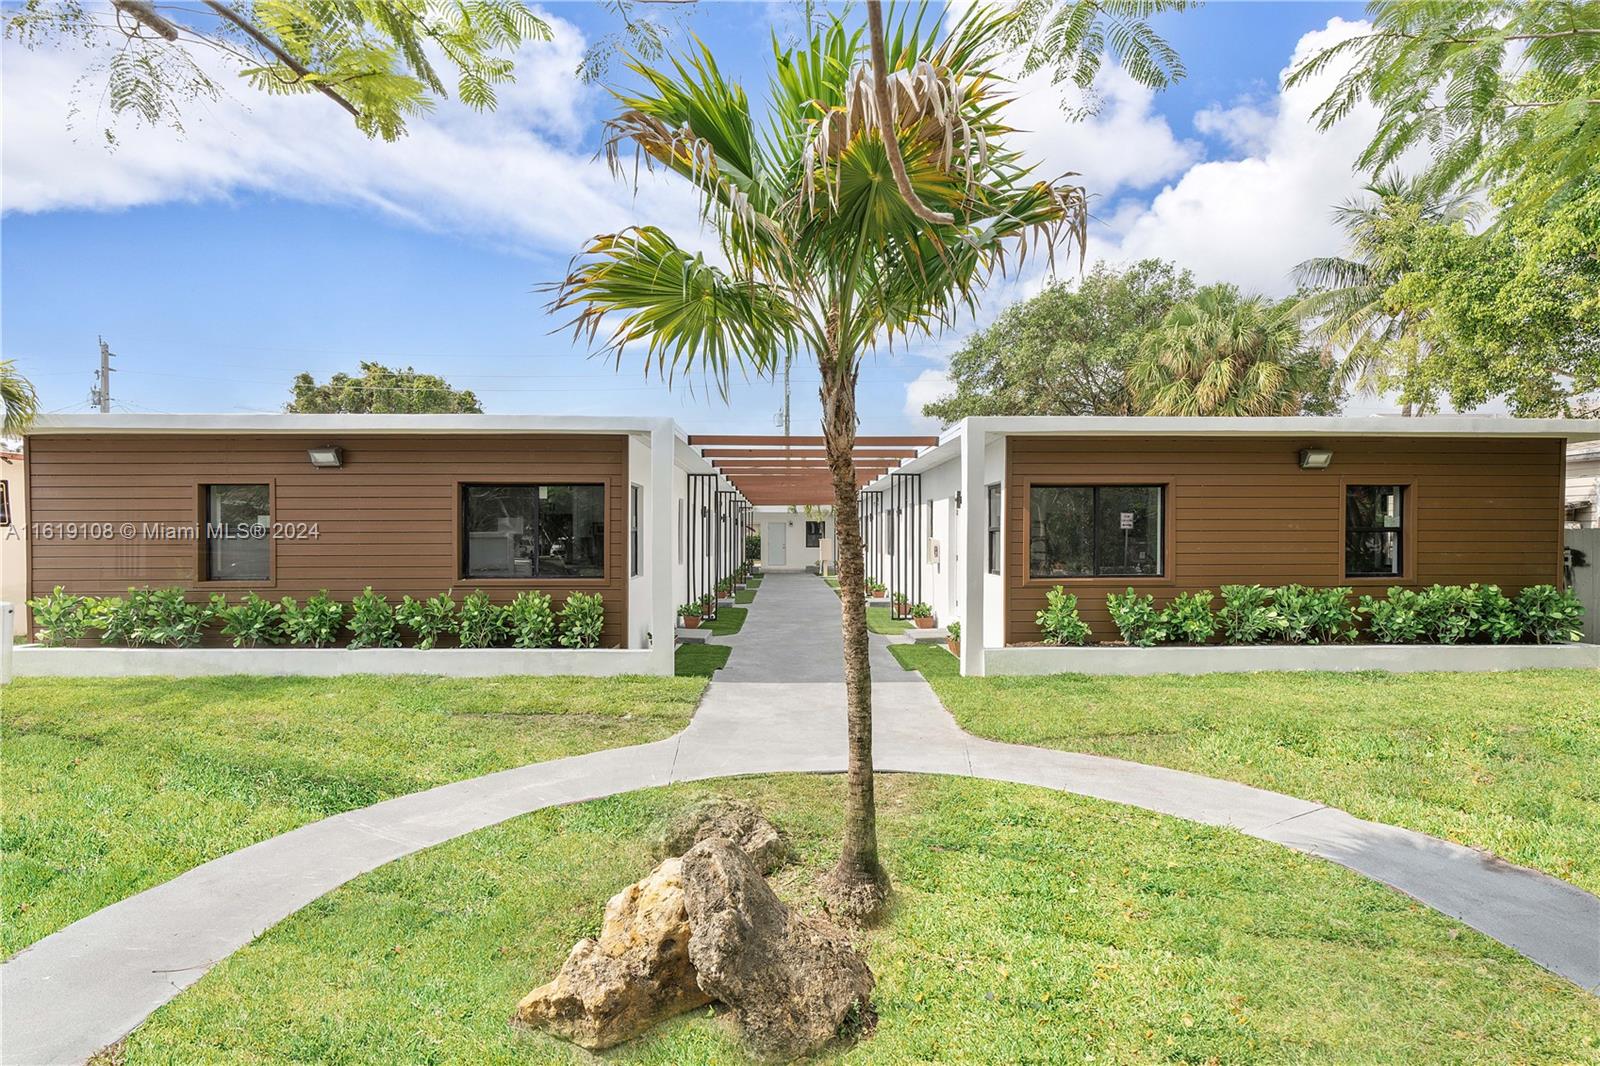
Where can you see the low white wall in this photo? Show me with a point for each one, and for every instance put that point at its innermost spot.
(35, 660)
(1394, 658)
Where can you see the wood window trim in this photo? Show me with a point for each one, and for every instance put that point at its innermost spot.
(1408, 530)
(1168, 577)
(608, 483)
(202, 548)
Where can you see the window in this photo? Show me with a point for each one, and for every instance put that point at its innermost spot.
(635, 546)
(1374, 519)
(814, 533)
(5, 503)
(1095, 531)
(527, 531)
(683, 526)
(994, 528)
(238, 525)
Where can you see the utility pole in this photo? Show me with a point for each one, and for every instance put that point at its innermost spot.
(101, 393)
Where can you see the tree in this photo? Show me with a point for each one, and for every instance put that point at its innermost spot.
(1067, 350)
(1485, 85)
(380, 390)
(1222, 353)
(1513, 312)
(376, 59)
(823, 256)
(1351, 302)
(20, 400)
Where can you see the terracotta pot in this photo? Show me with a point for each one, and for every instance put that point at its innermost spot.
(923, 623)
(691, 621)
(954, 646)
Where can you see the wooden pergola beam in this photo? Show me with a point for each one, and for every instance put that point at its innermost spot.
(816, 442)
(810, 452)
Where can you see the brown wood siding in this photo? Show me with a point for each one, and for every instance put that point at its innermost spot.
(387, 518)
(1241, 511)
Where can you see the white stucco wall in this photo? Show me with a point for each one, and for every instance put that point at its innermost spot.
(1583, 484)
(994, 585)
(639, 584)
(796, 555)
(14, 543)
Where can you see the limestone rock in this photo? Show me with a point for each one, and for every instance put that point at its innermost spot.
(738, 823)
(635, 975)
(791, 980)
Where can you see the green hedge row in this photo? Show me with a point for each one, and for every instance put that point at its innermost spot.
(165, 618)
(1296, 614)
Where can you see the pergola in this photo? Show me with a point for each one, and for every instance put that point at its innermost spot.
(794, 470)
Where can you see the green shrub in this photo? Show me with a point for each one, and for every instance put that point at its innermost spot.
(1549, 616)
(1397, 619)
(1498, 621)
(1136, 618)
(921, 610)
(316, 623)
(1188, 617)
(61, 617)
(1246, 615)
(533, 623)
(1313, 616)
(429, 619)
(372, 622)
(582, 618)
(252, 621)
(116, 618)
(954, 630)
(1449, 614)
(164, 617)
(1059, 622)
(752, 546)
(482, 623)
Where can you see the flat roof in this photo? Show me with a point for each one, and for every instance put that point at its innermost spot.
(46, 425)
(1574, 429)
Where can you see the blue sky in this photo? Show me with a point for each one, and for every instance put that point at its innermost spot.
(271, 239)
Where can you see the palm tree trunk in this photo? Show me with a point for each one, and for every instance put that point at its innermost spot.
(857, 887)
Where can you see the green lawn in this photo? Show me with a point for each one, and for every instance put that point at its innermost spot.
(880, 620)
(1028, 926)
(1506, 762)
(729, 620)
(701, 660)
(112, 786)
(744, 596)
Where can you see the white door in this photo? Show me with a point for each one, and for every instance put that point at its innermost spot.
(775, 544)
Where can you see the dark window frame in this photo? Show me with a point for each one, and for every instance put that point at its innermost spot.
(463, 539)
(1161, 528)
(995, 519)
(635, 540)
(5, 503)
(821, 535)
(203, 539)
(1400, 530)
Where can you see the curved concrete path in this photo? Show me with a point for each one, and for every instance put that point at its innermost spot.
(91, 983)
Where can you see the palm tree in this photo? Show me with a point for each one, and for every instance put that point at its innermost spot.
(824, 257)
(1350, 307)
(21, 402)
(1220, 353)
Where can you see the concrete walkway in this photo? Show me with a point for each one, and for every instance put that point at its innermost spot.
(91, 983)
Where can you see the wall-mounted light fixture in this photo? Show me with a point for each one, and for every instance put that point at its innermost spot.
(1315, 458)
(330, 457)
(958, 499)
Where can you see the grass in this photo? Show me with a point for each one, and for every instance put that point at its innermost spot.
(1028, 926)
(729, 620)
(112, 786)
(1501, 761)
(880, 620)
(744, 596)
(701, 660)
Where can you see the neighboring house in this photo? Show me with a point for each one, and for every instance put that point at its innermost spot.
(985, 523)
(791, 539)
(407, 504)
(1583, 485)
(13, 534)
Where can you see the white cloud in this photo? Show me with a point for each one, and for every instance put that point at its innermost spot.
(1124, 146)
(1250, 220)
(926, 387)
(518, 176)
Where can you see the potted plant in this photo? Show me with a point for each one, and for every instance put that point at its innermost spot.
(724, 588)
(922, 615)
(953, 641)
(690, 614)
(708, 605)
(876, 589)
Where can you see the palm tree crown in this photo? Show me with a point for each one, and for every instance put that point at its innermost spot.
(19, 399)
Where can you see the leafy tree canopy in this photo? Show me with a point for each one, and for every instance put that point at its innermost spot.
(1067, 350)
(382, 62)
(1223, 353)
(382, 391)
